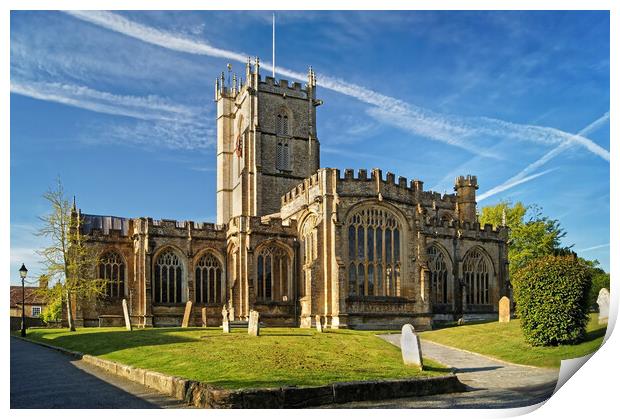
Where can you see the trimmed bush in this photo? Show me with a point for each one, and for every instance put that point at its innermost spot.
(551, 294)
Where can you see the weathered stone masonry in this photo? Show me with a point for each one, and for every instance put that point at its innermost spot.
(293, 241)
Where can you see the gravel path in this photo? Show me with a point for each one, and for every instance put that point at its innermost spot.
(491, 383)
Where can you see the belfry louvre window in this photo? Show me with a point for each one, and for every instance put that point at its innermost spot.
(208, 280)
(272, 274)
(282, 124)
(439, 276)
(476, 274)
(374, 236)
(283, 156)
(168, 278)
(112, 269)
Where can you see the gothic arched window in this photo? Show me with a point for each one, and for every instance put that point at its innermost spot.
(273, 273)
(374, 264)
(168, 278)
(209, 280)
(112, 269)
(476, 274)
(440, 293)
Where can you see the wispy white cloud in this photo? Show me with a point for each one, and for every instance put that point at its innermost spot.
(600, 246)
(565, 145)
(174, 135)
(145, 107)
(461, 132)
(161, 123)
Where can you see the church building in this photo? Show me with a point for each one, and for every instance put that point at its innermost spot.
(361, 249)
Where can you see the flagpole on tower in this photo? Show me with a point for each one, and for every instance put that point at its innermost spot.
(273, 45)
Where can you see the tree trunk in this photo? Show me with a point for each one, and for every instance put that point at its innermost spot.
(70, 312)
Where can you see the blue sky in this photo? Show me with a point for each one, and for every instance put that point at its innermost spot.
(120, 106)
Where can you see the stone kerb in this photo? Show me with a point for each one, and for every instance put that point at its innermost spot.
(410, 346)
(603, 305)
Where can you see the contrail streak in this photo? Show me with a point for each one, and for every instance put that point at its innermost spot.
(452, 130)
(508, 185)
(566, 144)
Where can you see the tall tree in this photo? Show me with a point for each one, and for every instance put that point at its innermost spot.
(532, 234)
(69, 260)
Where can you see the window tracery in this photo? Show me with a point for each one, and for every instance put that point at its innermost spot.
(374, 236)
(112, 269)
(476, 274)
(440, 293)
(273, 273)
(208, 280)
(168, 278)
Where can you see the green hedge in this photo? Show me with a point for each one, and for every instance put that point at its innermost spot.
(551, 294)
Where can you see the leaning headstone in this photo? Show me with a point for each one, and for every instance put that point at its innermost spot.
(603, 305)
(203, 316)
(253, 326)
(126, 313)
(410, 346)
(225, 324)
(187, 315)
(319, 326)
(504, 309)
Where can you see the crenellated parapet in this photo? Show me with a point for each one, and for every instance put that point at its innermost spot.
(454, 228)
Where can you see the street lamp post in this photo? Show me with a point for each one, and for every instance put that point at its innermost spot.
(22, 273)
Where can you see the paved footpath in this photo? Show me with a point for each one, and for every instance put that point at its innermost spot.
(491, 383)
(43, 378)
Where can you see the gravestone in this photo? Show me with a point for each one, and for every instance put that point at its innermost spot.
(460, 321)
(187, 315)
(410, 346)
(203, 313)
(504, 309)
(126, 313)
(319, 326)
(225, 324)
(253, 326)
(603, 305)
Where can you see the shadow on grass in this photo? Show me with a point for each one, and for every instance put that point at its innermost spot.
(595, 334)
(438, 369)
(101, 343)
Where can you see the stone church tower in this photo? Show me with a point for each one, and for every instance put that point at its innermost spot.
(359, 249)
(266, 141)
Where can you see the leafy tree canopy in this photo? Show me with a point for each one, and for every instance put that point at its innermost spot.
(532, 234)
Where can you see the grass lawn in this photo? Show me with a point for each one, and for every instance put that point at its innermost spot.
(280, 356)
(505, 341)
